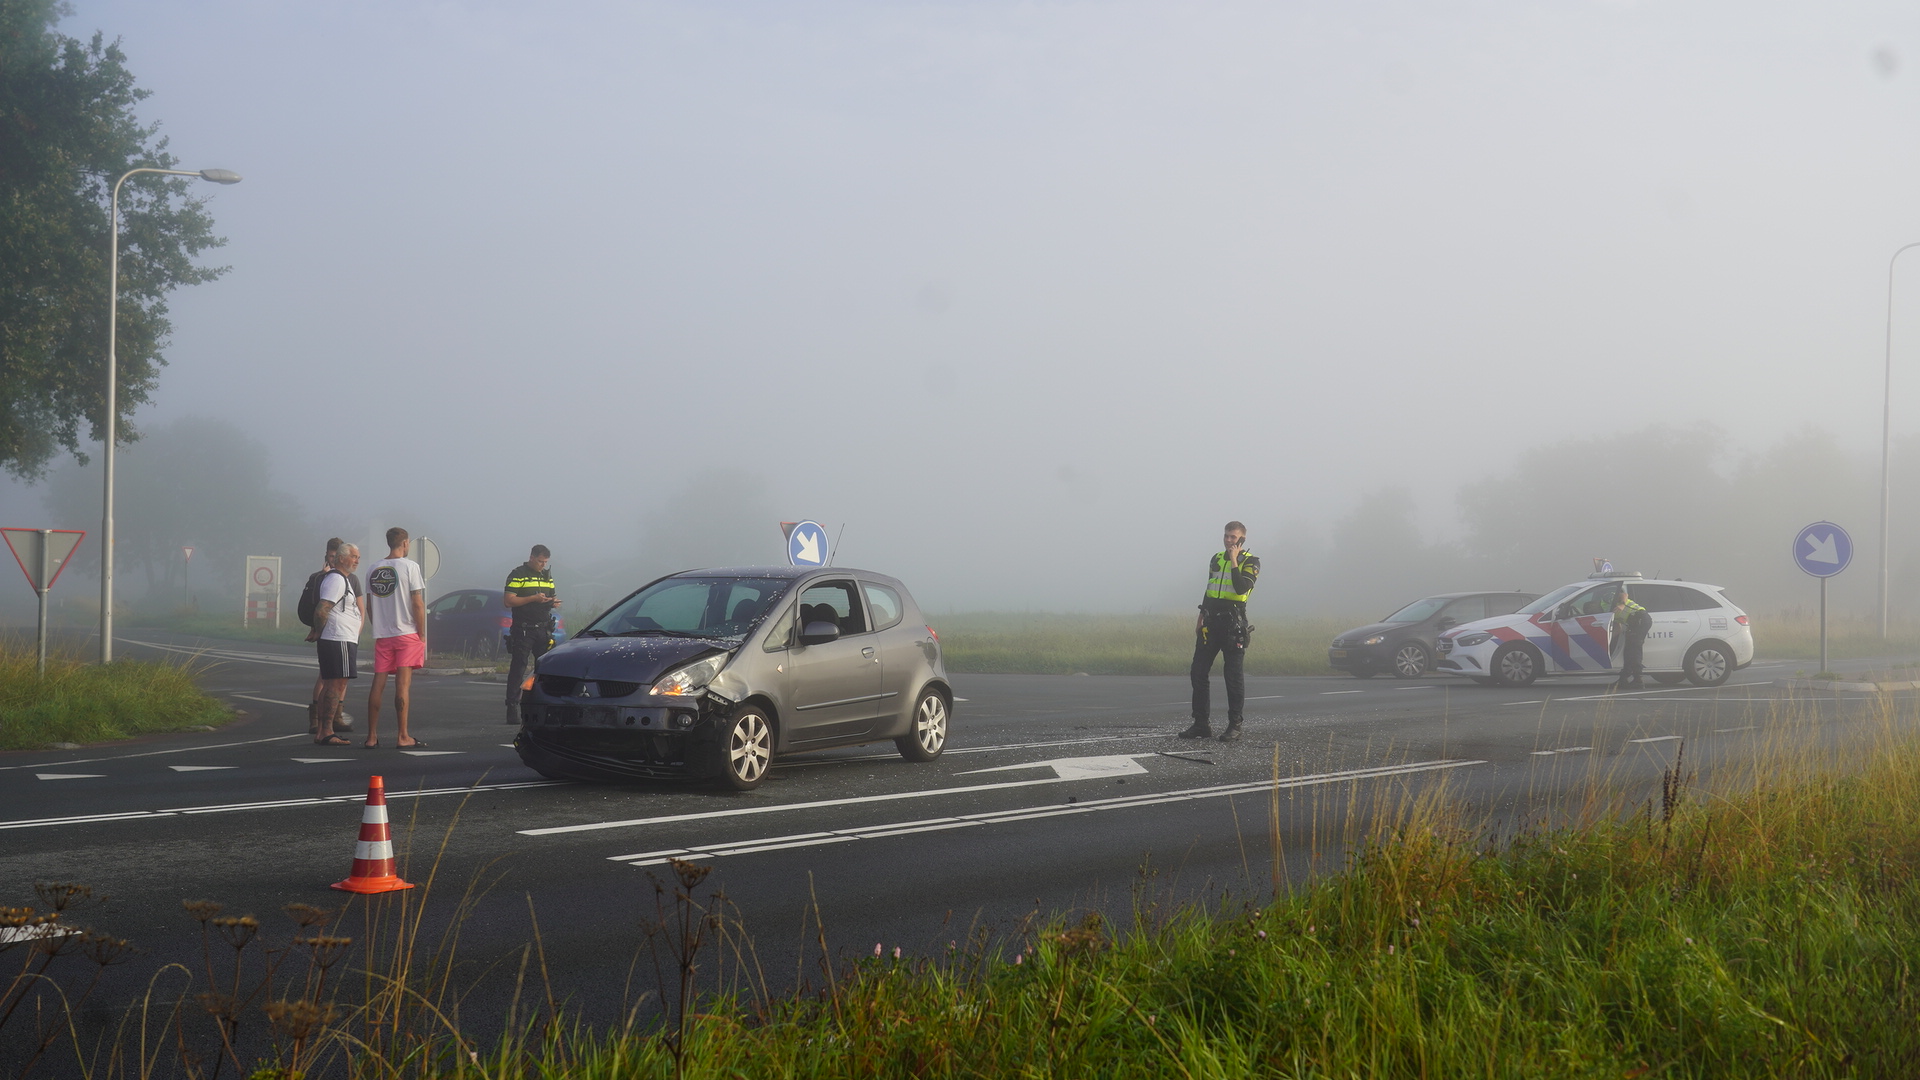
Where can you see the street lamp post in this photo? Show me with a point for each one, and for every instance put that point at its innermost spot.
(1886, 441)
(218, 176)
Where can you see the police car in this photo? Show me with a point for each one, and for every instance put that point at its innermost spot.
(1696, 635)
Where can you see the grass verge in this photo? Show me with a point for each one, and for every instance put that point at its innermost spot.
(88, 703)
(1765, 922)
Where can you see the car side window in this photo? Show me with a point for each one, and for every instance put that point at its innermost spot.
(1595, 601)
(446, 605)
(472, 602)
(836, 602)
(885, 603)
(1693, 599)
(780, 635)
(1507, 603)
(1656, 597)
(1466, 610)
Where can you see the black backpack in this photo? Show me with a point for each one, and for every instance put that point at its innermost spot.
(310, 596)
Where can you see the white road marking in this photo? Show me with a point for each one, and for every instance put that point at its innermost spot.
(228, 654)
(145, 815)
(1324, 693)
(1749, 727)
(319, 760)
(1560, 750)
(952, 750)
(1539, 701)
(1633, 693)
(268, 700)
(962, 699)
(1429, 686)
(1028, 813)
(67, 775)
(1658, 738)
(155, 753)
(855, 800)
(200, 768)
(1080, 768)
(1158, 704)
(430, 753)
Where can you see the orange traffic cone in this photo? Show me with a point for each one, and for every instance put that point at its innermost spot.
(373, 855)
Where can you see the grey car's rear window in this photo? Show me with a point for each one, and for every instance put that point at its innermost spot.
(887, 609)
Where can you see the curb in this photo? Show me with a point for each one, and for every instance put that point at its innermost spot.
(456, 671)
(1846, 687)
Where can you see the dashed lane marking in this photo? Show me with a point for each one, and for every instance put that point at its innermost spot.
(226, 808)
(200, 768)
(430, 753)
(952, 750)
(1324, 693)
(967, 789)
(1560, 750)
(319, 760)
(156, 753)
(270, 701)
(1658, 738)
(228, 654)
(1429, 686)
(1538, 701)
(1724, 730)
(1027, 813)
(67, 775)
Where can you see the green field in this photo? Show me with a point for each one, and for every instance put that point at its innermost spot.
(81, 702)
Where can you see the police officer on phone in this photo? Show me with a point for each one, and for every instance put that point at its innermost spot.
(530, 595)
(1222, 630)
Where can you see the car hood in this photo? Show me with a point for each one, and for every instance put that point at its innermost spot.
(1361, 633)
(626, 659)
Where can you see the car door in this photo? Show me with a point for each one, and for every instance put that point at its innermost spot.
(1677, 613)
(1577, 634)
(834, 687)
(901, 658)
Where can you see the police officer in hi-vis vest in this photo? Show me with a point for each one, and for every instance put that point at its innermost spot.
(529, 593)
(1222, 630)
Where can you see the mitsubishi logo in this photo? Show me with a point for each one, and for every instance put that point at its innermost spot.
(586, 689)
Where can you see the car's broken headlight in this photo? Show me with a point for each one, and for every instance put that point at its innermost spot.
(689, 678)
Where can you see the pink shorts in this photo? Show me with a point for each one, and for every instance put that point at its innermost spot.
(394, 653)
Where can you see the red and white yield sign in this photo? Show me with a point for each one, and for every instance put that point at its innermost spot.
(42, 553)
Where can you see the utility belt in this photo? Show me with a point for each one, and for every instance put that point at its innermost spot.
(532, 628)
(1228, 626)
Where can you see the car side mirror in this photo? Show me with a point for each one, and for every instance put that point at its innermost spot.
(819, 633)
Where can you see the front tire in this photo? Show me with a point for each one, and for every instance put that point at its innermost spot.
(746, 751)
(1515, 665)
(928, 736)
(1410, 660)
(1708, 664)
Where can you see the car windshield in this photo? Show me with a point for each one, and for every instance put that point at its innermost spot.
(1552, 599)
(1418, 611)
(710, 607)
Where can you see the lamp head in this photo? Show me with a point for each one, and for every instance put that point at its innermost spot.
(220, 176)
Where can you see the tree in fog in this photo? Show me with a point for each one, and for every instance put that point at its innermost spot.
(67, 130)
(195, 481)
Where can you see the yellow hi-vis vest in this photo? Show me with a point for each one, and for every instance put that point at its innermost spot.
(1220, 582)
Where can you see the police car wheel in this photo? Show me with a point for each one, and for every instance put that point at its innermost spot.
(1708, 664)
(746, 750)
(1410, 661)
(1515, 665)
(928, 735)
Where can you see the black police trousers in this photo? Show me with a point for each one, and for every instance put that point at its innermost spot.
(1632, 653)
(1206, 646)
(525, 645)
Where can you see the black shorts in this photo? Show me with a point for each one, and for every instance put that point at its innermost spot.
(339, 659)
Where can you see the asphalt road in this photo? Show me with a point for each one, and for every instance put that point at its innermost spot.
(1056, 794)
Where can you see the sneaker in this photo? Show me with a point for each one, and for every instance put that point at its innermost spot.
(1199, 730)
(1232, 734)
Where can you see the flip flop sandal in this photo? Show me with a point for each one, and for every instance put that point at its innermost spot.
(417, 744)
(331, 740)
(369, 746)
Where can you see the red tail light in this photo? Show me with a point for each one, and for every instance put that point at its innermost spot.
(936, 635)
(1741, 619)
(506, 622)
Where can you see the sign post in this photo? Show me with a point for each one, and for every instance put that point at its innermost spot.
(42, 554)
(806, 543)
(1823, 549)
(262, 594)
(187, 550)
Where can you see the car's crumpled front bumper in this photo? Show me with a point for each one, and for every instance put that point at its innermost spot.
(620, 742)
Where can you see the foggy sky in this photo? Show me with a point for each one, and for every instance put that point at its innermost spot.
(1029, 296)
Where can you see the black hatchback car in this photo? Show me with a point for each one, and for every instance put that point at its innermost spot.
(1403, 642)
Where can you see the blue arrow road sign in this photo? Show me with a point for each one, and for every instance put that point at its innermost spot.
(807, 544)
(1823, 549)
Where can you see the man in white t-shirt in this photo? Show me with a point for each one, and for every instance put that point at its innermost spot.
(397, 600)
(336, 626)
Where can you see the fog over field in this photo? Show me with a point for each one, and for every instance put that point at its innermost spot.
(1030, 298)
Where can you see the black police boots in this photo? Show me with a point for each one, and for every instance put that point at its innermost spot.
(1232, 734)
(1199, 730)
